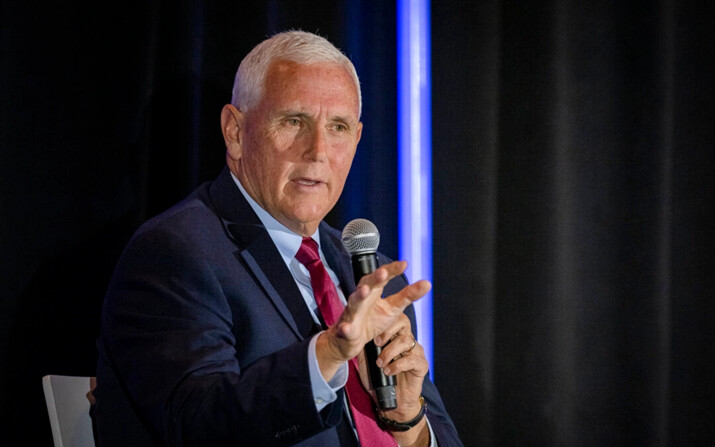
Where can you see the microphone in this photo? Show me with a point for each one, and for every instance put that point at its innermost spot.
(361, 239)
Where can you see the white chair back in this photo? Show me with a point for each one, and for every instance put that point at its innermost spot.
(68, 408)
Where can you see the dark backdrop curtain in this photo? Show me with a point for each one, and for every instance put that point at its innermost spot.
(573, 194)
(574, 220)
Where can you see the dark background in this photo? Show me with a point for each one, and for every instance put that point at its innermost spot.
(574, 194)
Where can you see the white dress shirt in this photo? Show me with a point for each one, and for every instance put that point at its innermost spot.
(288, 243)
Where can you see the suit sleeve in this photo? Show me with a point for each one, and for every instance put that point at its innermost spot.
(169, 335)
(440, 421)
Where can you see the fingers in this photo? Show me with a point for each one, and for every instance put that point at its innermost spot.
(410, 360)
(380, 277)
(367, 316)
(370, 287)
(410, 294)
(400, 346)
(396, 341)
(377, 280)
(401, 326)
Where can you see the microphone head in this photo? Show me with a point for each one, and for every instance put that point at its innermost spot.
(360, 236)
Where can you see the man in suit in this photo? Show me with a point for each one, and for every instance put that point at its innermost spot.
(213, 332)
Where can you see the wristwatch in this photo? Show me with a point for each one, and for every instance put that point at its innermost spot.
(388, 424)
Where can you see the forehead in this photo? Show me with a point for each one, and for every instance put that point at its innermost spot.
(323, 83)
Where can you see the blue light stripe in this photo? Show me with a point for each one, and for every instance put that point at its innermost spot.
(415, 154)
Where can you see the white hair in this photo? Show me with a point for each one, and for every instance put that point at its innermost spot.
(296, 46)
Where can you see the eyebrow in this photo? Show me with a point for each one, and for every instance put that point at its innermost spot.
(298, 114)
(290, 112)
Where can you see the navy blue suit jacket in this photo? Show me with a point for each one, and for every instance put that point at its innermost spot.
(205, 335)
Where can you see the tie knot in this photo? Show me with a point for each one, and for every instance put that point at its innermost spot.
(308, 251)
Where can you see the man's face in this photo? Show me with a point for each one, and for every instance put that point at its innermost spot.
(296, 146)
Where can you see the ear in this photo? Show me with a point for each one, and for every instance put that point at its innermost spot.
(232, 126)
(359, 132)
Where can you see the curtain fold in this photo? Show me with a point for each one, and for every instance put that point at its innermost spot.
(574, 194)
(575, 276)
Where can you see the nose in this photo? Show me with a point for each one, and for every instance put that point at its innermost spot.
(317, 149)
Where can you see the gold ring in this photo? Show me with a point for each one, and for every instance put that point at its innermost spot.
(414, 343)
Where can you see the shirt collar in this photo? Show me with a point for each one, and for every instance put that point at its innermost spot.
(285, 240)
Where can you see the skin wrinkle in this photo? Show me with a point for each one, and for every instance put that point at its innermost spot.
(292, 153)
(306, 127)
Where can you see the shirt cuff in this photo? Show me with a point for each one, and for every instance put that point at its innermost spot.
(324, 392)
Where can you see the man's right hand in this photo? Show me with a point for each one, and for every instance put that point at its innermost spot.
(366, 316)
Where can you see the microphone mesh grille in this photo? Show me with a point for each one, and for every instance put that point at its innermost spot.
(360, 236)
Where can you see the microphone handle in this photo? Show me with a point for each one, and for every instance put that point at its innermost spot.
(384, 385)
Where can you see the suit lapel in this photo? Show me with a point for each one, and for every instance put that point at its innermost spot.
(263, 258)
(259, 254)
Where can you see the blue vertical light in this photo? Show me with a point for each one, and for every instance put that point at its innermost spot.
(415, 153)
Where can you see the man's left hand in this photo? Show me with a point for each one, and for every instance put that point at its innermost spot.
(403, 357)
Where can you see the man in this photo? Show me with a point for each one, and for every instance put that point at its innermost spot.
(215, 333)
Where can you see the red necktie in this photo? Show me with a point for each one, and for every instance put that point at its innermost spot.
(331, 307)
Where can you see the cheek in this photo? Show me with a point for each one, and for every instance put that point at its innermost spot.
(272, 175)
(283, 140)
(342, 163)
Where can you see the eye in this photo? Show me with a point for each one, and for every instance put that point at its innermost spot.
(340, 127)
(293, 121)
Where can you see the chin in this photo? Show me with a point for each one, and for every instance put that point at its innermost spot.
(307, 220)
(310, 213)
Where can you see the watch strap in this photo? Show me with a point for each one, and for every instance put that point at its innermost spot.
(391, 425)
